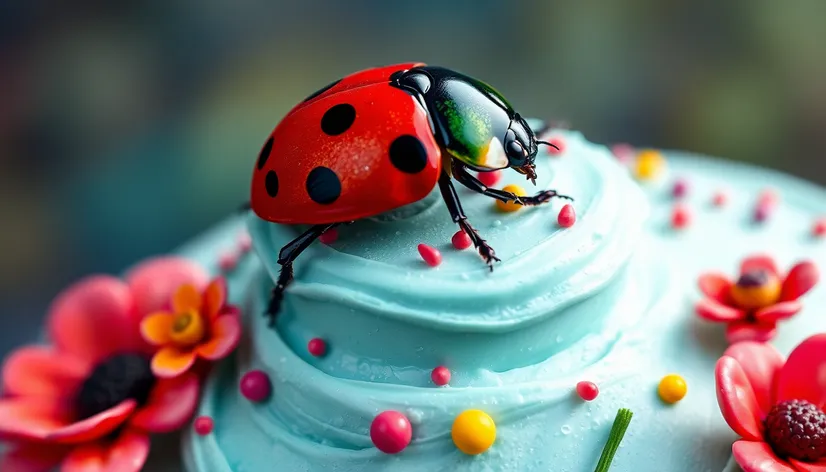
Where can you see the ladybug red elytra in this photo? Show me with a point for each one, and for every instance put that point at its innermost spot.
(383, 138)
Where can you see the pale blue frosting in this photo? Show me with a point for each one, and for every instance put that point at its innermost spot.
(608, 300)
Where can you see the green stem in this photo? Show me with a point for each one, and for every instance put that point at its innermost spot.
(621, 423)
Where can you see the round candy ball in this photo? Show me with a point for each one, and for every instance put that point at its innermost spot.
(255, 386)
(317, 347)
(672, 388)
(203, 425)
(473, 432)
(511, 206)
(440, 375)
(391, 432)
(587, 391)
(650, 164)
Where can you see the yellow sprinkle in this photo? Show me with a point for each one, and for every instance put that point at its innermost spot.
(473, 432)
(672, 388)
(650, 164)
(511, 206)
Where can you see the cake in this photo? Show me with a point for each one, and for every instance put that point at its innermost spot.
(395, 348)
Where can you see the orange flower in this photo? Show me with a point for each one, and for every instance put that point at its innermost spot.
(200, 325)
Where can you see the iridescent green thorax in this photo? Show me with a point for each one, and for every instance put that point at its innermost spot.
(470, 129)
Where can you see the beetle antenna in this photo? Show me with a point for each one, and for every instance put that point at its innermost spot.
(548, 144)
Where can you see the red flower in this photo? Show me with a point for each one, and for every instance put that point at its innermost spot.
(776, 407)
(89, 400)
(760, 298)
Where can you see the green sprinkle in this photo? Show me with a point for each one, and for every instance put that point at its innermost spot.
(621, 423)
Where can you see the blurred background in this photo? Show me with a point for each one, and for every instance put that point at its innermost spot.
(128, 127)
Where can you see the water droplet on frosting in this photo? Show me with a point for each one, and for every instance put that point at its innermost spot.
(496, 223)
(566, 430)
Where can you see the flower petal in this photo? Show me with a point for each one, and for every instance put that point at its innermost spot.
(808, 466)
(86, 458)
(40, 371)
(31, 418)
(802, 277)
(758, 457)
(154, 281)
(804, 375)
(155, 328)
(171, 362)
(128, 453)
(747, 331)
(215, 297)
(712, 310)
(87, 319)
(778, 312)
(226, 332)
(94, 427)
(761, 364)
(33, 457)
(736, 399)
(759, 262)
(187, 298)
(716, 287)
(171, 404)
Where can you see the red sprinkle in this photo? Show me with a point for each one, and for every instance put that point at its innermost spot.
(768, 197)
(819, 229)
(329, 237)
(680, 189)
(461, 240)
(587, 391)
(203, 425)
(720, 199)
(623, 152)
(559, 143)
(762, 212)
(227, 261)
(430, 254)
(317, 347)
(680, 217)
(255, 386)
(440, 375)
(489, 179)
(567, 216)
(244, 242)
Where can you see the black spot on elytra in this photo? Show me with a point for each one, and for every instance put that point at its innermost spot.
(271, 182)
(323, 185)
(338, 119)
(265, 153)
(407, 153)
(322, 90)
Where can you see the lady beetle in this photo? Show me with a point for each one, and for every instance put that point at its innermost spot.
(383, 138)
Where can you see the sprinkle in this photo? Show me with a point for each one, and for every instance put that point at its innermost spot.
(559, 143)
(227, 261)
(255, 386)
(489, 179)
(430, 254)
(720, 199)
(511, 206)
(672, 388)
(244, 242)
(680, 217)
(391, 432)
(762, 212)
(329, 237)
(567, 216)
(819, 229)
(461, 240)
(623, 152)
(440, 375)
(317, 347)
(473, 432)
(587, 390)
(203, 425)
(680, 189)
(650, 164)
(768, 196)
(621, 422)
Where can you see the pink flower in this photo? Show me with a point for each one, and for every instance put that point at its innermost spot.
(89, 399)
(776, 407)
(760, 298)
(200, 325)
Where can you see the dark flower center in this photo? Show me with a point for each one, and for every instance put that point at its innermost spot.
(753, 278)
(116, 379)
(797, 429)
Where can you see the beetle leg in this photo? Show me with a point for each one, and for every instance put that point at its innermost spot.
(454, 206)
(285, 258)
(465, 178)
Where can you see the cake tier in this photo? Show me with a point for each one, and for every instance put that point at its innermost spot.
(319, 415)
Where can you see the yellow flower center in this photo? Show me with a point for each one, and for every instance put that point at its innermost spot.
(188, 328)
(756, 289)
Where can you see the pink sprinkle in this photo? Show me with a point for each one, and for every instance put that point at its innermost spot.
(317, 347)
(227, 261)
(720, 199)
(391, 432)
(623, 152)
(329, 237)
(461, 240)
(255, 386)
(559, 143)
(819, 229)
(768, 197)
(567, 216)
(203, 425)
(430, 254)
(244, 242)
(440, 375)
(680, 188)
(489, 179)
(587, 391)
(680, 217)
(762, 212)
